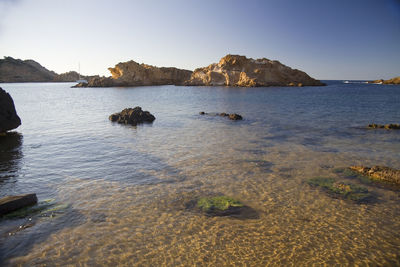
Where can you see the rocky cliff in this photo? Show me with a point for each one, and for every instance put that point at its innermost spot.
(235, 70)
(17, 70)
(395, 80)
(132, 73)
(8, 115)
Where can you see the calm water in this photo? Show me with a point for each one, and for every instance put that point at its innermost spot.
(126, 187)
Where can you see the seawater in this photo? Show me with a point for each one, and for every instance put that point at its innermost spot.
(126, 187)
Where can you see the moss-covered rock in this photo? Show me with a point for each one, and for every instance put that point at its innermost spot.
(222, 206)
(342, 190)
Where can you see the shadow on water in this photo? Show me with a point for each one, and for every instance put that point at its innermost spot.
(18, 236)
(10, 156)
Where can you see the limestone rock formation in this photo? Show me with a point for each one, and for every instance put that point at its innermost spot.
(380, 173)
(235, 70)
(132, 73)
(395, 80)
(132, 116)
(8, 115)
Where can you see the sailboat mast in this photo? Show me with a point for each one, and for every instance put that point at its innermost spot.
(79, 70)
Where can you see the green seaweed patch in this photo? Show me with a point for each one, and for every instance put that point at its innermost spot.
(45, 208)
(219, 203)
(342, 190)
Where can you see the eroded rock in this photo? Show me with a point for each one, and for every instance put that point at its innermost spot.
(235, 70)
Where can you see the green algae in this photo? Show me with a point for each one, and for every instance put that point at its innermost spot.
(343, 190)
(218, 203)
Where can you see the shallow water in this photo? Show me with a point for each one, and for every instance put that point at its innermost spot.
(127, 187)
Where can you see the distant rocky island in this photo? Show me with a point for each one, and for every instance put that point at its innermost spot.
(395, 80)
(232, 70)
(16, 70)
(235, 70)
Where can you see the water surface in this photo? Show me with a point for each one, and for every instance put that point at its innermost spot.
(126, 187)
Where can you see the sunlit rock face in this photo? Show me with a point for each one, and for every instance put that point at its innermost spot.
(132, 73)
(395, 80)
(235, 70)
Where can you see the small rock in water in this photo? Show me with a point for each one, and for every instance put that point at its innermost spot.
(391, 126)
(12, 203)
(381, 173)
(132, 116)
(232, 116)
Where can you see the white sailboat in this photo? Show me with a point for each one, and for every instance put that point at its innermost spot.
(79, 73)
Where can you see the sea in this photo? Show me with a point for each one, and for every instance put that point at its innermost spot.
(119, 193)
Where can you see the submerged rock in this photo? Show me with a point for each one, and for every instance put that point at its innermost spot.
(342, 190)
(235, 70)
(12, 203)
(232, 116)
(379, 173)
(223, 206)
(390, 126)
(8, 115)
(132, 116)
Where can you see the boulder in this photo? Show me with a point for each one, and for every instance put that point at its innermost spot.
(379, 173)
(12, 203)
(132, 116)
(235, 70)
(8, 115)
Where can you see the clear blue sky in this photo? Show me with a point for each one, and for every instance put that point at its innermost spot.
(337, 39)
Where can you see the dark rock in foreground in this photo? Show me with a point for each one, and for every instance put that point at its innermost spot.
(132, 116)
(385, 126)
(8, 115)
(12, 203)
(232, 116)
(380, 173)
(342, 190)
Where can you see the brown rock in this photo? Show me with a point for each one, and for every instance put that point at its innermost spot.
(8, 115)
(395, 80)
(381, 173)
(12, 203)
(235, 70)
(132, 116)
(134, 74)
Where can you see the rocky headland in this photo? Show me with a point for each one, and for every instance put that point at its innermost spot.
(8, 115)
(395, 80)
(16, 70)
(235, 70)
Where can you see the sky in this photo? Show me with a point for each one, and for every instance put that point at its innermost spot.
(328, 39)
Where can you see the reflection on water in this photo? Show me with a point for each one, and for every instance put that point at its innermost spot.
(128, 188)
(10, 156)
